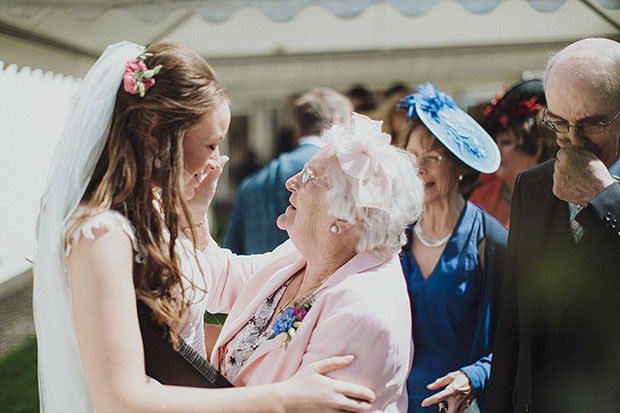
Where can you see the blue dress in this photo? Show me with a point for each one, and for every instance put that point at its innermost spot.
(445, 311)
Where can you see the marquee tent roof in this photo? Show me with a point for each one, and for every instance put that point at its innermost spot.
(66, 35)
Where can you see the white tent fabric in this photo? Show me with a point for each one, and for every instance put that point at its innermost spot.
(278, 10)
(267, 50)
(67, 35)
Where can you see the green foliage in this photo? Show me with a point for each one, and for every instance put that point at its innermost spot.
(18, 379)
(222, 215)
(217, 319)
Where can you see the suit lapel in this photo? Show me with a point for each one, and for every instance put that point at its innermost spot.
(560, 222)
(554, 226)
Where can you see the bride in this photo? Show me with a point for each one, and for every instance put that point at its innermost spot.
(131, 180)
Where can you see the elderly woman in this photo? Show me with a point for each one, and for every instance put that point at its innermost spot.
(336, 287)
(451, 261)
(515, 122)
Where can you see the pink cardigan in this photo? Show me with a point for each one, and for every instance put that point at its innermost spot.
(362, 309)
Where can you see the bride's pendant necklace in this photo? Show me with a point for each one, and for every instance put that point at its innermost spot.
(427, 242)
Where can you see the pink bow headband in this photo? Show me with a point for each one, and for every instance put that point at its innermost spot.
(368, 161)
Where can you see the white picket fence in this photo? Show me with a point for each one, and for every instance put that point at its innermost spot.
(33, 106)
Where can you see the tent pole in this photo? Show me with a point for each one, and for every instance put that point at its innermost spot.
(172, 27)
(600, 13)
(30, 36)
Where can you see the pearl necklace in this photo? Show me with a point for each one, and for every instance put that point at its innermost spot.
(430, 243)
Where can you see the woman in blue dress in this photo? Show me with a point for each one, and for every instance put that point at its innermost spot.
(453, 259)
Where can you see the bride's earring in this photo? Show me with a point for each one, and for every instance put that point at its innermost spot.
(157, 163)
(334, 229)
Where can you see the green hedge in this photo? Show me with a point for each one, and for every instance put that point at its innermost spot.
(18, 379)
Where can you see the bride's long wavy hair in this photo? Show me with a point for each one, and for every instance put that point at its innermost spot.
(185, 89)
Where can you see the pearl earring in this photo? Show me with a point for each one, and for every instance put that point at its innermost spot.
(157, 163)
(460, 177)
(334, 229)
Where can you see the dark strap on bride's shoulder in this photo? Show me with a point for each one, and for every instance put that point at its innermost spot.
(184, 367)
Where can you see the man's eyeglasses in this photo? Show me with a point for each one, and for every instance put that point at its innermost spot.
(586, 128)
(429, 161)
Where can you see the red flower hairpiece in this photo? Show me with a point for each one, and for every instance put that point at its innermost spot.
(138, 78)
(493, 104)
(520, 109)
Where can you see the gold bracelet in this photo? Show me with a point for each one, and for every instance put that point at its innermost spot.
(198, 225)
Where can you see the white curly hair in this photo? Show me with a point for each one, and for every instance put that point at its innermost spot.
(374, 183)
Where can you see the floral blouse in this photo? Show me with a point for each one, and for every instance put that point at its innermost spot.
(249, 338)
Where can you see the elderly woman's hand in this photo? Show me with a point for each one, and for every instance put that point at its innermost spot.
(457, 394)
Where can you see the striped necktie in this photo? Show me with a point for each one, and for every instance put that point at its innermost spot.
(576, 229)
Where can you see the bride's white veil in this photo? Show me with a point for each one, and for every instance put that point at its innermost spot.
(62, 387)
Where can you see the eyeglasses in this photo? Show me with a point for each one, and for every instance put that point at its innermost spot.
(429, 161)
(586, 128)
(307, 174)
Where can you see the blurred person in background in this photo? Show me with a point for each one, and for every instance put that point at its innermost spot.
(394, 89)
(392, 116)
(263, 197)
(453, 259)
(362, 99)
(514, 120)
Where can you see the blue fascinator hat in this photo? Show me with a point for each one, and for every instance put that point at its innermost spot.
(454, 128)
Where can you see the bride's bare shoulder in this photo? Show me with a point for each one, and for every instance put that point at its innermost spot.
(102, 231)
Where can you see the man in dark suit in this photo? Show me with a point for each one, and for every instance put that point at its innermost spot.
(557, 347)
(262, 197)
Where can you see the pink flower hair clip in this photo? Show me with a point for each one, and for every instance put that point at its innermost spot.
(138, 78)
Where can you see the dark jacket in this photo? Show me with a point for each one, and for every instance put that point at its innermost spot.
(557, 347)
